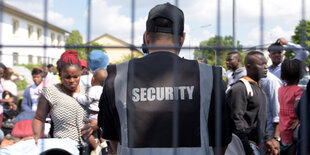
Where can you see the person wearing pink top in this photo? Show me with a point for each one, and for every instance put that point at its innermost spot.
(288, 95)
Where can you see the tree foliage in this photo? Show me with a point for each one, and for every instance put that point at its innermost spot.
(75, 39)
(210, 54)
(302, 31)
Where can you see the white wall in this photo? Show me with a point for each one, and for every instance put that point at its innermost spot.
(21, 38)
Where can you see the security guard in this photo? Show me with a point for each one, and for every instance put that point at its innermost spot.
(161, 103)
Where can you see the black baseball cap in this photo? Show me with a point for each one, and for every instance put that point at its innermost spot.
(167, 11)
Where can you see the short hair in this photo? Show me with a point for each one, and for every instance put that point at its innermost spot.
(100, 76)
(50, 65)
(251, 53)
(36, 71)
(291, 70)
(235, 53)
(275, 47)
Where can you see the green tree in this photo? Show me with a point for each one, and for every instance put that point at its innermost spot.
(300, 39)
(210, 54)
(76, 39)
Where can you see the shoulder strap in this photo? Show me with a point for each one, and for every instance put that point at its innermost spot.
(247, 86)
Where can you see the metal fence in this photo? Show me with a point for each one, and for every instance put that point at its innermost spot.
(218, 48)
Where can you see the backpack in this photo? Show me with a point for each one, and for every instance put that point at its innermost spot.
(248, 87)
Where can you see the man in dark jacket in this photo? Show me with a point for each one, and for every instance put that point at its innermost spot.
(248, 107)
(302, 111)
(161, 103)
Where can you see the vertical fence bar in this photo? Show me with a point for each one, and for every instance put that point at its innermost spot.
(132, 27)
(175, 29)
(45, 27)
(218, 105)
(86, 51)
(303, 25)
(131, 106)
(45, 31)
(175, 123)
(45, 6)
(88, 25)
(261, 21)
(305, 127)
(1, 21)
(234, 26)
(176, 2)
(218, 41)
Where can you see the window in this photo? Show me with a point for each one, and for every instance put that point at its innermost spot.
(15, 26)
(39, 60)
(52, 37)
(30, 59)
(59, 39)
(30, 31)
(15, 59)
(39, 33)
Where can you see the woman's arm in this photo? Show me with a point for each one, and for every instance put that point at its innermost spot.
(39, 119)
(11, 99)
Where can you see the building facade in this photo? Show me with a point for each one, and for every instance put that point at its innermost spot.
(19, 29)
(116, 54)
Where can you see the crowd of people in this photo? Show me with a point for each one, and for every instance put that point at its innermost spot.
(58, 105)
(280, 85)
(161, 103)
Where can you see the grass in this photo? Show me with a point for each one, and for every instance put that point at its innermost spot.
(21, 85)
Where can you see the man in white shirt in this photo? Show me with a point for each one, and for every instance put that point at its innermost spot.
(233, 62)
(277, 54)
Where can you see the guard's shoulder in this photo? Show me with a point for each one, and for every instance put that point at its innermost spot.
(202, 64)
